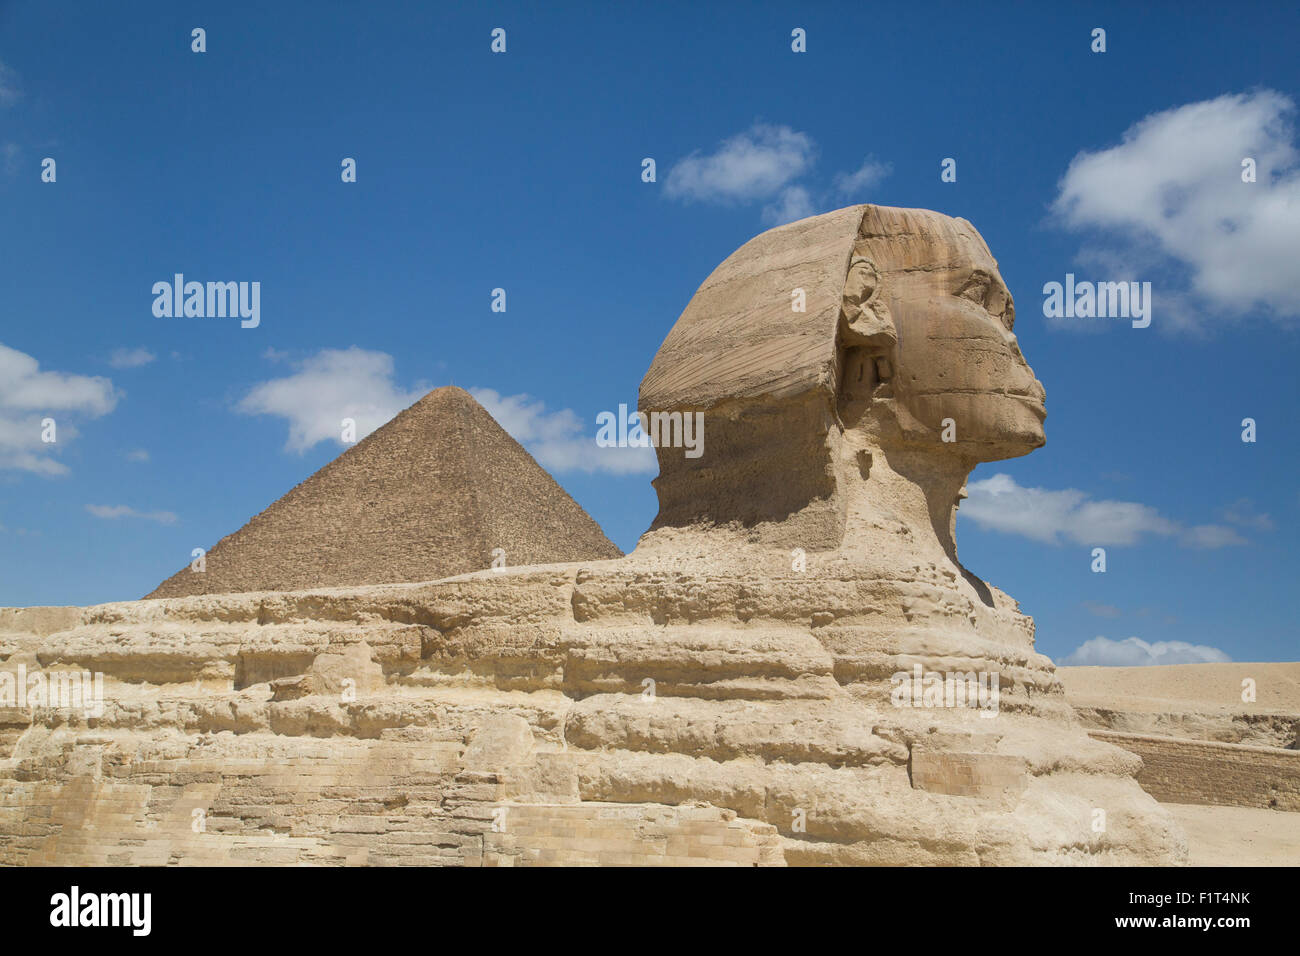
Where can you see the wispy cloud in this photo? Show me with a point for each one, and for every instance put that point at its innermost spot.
(1134, 652)
(113, 512)
(998, 503)
(1101, 610)
(1243, 513)
(857, 185)
(752, 165)
(130, 358)
(1173, 185)
(10, 92)
(1210, 536)
(559, 439)
(793, 204)
(763, 165)
(28, 396)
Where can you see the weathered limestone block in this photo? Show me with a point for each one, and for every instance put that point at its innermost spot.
(968, 775)
(349, 673)
(500, 742)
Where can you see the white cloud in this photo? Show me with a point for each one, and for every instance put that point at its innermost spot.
(353, 383)
(137, 454)
(1173, 185)
(1134, 652)
(865, 178)
(560, 440)
(328, 387)
(749, 166)
(998, 503)
(793, 204)
(29, 395)
(130, 358)
(113, 512)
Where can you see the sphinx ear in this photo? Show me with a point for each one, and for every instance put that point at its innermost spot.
(867, 340)
(864, 309)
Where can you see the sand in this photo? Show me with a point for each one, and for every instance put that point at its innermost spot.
(1204, 688)
(1238, 836)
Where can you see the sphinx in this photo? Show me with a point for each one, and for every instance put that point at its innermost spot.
(728, 693)
(847, 431)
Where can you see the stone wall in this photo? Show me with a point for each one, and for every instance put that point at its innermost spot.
(387, 803)
(615, 713)
(1191, 771)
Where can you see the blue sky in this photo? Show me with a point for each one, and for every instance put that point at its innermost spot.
(522, 171)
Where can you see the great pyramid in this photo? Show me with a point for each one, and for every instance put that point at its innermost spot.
(429, 495)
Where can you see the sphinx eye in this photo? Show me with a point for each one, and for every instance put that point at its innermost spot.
(976, 288)
(861, 284)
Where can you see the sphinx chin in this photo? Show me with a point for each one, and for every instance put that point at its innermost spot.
(1014, 442)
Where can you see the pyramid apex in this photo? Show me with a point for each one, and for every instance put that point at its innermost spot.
(449, 391)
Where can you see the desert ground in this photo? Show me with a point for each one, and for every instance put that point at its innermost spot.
(1204, 701)
(1204, 688)
(1238, 836)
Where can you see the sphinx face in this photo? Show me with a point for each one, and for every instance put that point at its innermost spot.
(957, 357)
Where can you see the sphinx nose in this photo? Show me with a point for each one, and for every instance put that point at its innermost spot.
(1013, 343)
(1035, 387)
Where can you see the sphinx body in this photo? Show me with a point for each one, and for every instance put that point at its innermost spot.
(727, 693)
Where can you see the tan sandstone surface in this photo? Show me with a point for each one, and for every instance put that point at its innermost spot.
(726, 694)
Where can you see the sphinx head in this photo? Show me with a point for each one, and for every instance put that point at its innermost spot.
(870, 329)
(925, 342)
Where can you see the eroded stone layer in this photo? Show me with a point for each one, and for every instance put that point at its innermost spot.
(642, 711)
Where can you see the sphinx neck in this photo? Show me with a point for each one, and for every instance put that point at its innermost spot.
(913, 489)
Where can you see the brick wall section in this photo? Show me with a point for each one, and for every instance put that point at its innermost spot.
(1193, 771)
(967, 774)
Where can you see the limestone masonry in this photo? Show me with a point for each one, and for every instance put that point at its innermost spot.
(723, 695)
(428, 495)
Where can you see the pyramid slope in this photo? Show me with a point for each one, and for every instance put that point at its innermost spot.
(427, 496)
